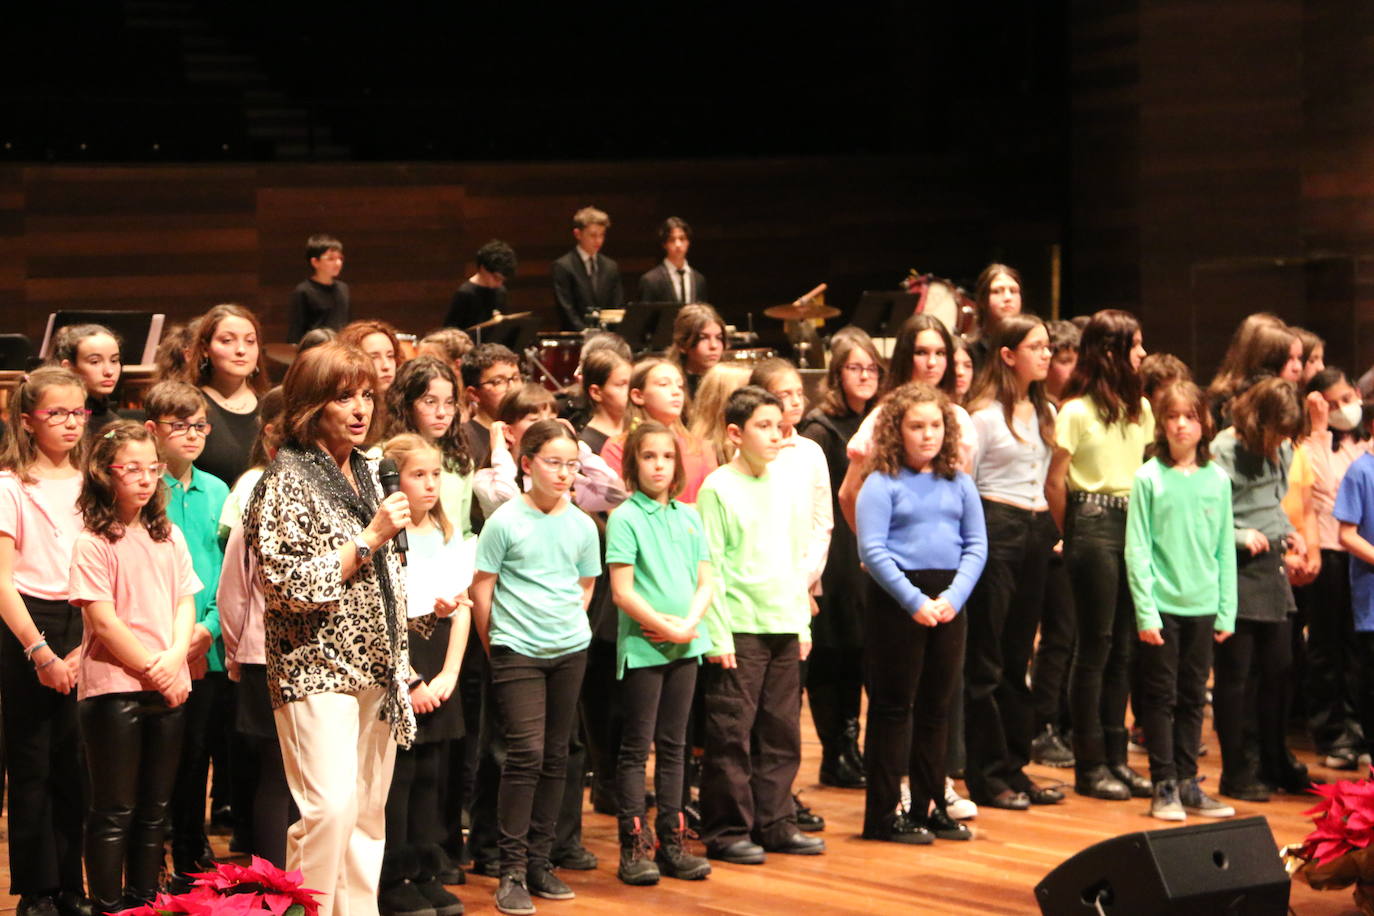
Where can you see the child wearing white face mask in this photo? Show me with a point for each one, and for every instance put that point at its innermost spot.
(1337, 439)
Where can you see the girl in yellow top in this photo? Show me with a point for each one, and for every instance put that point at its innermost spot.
(1101, 432)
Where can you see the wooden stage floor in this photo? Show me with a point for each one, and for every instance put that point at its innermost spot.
(992, 874)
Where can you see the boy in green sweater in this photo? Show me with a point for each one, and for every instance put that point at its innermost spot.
(760, 627)
(1181, 563)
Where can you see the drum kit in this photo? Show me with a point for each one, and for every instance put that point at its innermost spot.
(554, 356)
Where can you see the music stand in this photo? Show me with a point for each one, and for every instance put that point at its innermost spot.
(649, 325)
(881, 312)
(139, 332)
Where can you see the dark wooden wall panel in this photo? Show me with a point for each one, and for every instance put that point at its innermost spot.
(180, 238)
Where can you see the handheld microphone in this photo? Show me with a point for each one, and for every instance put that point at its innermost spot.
(390, 477)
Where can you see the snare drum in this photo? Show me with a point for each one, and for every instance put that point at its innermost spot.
(559, 352)
(748, 356)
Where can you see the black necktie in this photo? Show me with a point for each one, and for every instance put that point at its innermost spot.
(682, 285)
(591, 271)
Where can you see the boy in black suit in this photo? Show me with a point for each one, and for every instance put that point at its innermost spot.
(674, 280)
(584, 280)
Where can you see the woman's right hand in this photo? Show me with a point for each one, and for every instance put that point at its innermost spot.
(393, 515)
(54, 674)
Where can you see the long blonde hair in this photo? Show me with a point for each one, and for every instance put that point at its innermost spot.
(708, 409)
(401, 449)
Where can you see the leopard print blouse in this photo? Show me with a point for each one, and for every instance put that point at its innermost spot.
(324, 635)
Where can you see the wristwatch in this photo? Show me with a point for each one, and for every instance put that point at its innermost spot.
(364, 551)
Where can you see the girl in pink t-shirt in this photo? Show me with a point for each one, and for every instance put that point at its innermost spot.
(41, 638)
(132, 577)
(659, 392)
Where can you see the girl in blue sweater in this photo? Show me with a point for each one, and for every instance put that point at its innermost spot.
(922, 539)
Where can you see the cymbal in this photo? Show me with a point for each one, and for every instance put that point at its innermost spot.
(791, 312)
(498, 319)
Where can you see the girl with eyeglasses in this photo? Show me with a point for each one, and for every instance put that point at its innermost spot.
(40, 642)
(537, 559)
(834, 672)
(133, 579)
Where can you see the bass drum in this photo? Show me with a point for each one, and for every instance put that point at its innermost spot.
(558, 353)
(948, 302)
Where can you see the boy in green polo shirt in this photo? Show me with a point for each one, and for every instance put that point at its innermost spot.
(195, 500)
(760, 628)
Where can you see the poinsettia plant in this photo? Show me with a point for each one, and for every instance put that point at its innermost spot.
(236, 890)
(1344, 820)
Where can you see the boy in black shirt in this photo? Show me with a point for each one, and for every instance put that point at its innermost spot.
(322, 300)
(484, 292)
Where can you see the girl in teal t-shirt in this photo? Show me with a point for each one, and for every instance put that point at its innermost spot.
(537, 559)
(661, 581)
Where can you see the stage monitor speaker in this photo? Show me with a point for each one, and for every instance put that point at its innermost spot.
(1220, 869)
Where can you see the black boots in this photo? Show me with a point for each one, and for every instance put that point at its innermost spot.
(673, 859)
(409, 884)
(842, 763)
(636, 848)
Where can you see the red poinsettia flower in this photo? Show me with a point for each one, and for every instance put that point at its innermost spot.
(1343, 819)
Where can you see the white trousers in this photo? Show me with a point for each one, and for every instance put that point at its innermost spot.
(338, 756)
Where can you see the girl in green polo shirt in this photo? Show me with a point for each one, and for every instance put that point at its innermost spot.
(661, 580)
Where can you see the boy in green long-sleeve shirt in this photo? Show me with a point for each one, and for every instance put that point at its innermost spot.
(1181, 564)
(760, 626)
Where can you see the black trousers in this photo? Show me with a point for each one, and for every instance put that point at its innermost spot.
(133, 743)
(205, 711)
(1100, 683)
(42, 759)
(912, 673)
(1250, 697)
(753, 743)
(274, 810)
(537, 699)
(462, 755)
(602, 717)
(1003, 614)
(1054, 652)
(412, 804)
(1334, 675)
(834, 686)
(1173, 692)
(658, 700)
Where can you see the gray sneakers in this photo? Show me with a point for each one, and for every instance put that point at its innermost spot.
(1196, 801)
(1165, 805)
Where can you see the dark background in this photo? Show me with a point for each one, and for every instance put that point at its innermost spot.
(1192, 161)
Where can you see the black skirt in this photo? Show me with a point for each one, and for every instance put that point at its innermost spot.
(427, 658)
(254, 707)
(1262, 590)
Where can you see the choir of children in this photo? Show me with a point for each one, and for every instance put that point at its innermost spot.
(933, 553)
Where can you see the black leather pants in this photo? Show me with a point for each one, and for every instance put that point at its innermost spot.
(133, 745)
